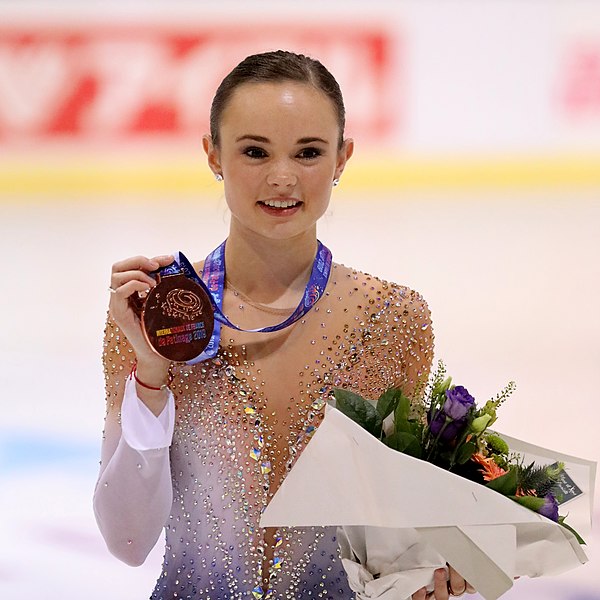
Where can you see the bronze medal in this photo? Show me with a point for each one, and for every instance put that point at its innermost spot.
(178, 318)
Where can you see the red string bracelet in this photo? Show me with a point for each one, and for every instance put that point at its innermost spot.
(164, 386)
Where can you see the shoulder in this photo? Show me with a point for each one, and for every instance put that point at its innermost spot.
(387, 327)
(377, 293)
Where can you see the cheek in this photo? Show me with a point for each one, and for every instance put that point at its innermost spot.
(242, 180)
(316, 187)
(319, 179)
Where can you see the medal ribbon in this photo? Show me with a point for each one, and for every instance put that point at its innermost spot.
(213, 282)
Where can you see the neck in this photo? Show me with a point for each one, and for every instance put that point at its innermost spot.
(273, 272)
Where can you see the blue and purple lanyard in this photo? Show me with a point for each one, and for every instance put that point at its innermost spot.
(213, 282)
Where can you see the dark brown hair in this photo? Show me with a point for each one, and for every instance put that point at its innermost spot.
(277, 66)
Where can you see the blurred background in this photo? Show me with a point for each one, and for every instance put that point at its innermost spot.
(476, 180)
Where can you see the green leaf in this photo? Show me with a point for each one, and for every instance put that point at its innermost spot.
(465, 452)
(358, 409)
(402, 411)
(505, 484)
(388, 401)
(531, 502)
(405, 426)
(404, 442)
(561, 521)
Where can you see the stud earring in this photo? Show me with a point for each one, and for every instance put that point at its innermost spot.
(218, 177)
(336, 182)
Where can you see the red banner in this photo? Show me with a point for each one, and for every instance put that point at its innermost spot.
(581, 80)
(124, 82)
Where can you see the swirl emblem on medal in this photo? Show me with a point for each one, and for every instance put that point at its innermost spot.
(182, 304)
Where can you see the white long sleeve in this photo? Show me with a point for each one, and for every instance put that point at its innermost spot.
(133, 495)
(141, 429)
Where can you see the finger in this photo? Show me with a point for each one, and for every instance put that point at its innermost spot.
(136, 262)
(118, 279)
(470, 589)
(420, 594)
(163, 260)
(123, 292)
(458, 585)
(440, 584)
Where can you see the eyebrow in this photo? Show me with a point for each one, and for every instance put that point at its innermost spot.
(264, 140)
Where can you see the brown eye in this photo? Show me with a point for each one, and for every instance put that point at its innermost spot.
(309, 153)
(254, 152)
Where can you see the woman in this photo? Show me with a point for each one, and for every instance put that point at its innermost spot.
(236, 422)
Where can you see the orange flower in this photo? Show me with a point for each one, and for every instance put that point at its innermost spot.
(488, 467)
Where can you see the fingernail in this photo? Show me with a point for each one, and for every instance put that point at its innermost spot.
(440, 572)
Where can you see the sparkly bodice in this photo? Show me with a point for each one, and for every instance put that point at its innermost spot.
(244, 417)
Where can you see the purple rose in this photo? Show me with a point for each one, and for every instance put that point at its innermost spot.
(452, 429)
(458, 402)
(454, 412)
(550, 508)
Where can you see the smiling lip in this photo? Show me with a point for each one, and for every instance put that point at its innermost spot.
(280, 203)
(280, 207)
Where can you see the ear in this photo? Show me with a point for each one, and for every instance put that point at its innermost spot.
(344, 155)
(213, 154)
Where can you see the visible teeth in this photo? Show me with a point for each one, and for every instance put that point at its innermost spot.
(280, 203)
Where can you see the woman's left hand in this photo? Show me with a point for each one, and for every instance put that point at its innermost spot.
(445, 585)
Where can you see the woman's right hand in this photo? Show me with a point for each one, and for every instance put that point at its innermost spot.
(446, 585)
(129, 277)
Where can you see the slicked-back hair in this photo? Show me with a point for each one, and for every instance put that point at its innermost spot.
(277, 66)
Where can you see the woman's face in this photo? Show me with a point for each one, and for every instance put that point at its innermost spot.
(278, 154)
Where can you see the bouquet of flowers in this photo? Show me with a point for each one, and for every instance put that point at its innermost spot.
(413, 485)
(447, 429)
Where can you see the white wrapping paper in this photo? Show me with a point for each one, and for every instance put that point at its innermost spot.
(400, 518)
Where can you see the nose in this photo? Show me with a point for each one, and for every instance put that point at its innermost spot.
(282, 178)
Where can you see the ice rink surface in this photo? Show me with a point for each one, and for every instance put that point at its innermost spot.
(512, 279)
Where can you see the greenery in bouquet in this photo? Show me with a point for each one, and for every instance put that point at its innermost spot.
(443, 425)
